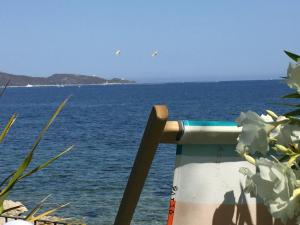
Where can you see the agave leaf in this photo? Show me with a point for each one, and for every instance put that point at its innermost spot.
(12, 208)
(5, 86)
(295, 120)
(2, 198)
(286, 104)
(293, 113)
(46, 213)
(50, 121)
(292, 55)
(6, 179)
(36, 208)
(22, 167)
(8, 126)
(44, 165)
(292, 95)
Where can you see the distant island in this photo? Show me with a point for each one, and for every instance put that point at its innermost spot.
(58, 80)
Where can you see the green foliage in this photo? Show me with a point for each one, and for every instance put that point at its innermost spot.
(8, 126)
(36, 208)
(293, 113)
(46, 213)
(4, 88)
(293, 56)
(292, 95)
(21, 172)
(44, 165)
(31, 217)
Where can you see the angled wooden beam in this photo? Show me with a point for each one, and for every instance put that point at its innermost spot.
(151, 139)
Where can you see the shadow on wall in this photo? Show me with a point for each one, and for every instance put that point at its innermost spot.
(225, 213)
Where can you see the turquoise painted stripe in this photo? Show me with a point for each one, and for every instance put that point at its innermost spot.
(208, 123)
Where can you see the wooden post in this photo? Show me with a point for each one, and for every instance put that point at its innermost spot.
(142, 164)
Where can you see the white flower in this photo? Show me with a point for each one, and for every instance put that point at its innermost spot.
(250, 186)
(276, 131)
(289, 133)
(293, 76)
(274, 182)
(254, 135)
(285, 210)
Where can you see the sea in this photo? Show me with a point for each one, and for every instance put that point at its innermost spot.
(106, 123)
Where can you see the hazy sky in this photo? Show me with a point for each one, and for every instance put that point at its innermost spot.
(196, 40)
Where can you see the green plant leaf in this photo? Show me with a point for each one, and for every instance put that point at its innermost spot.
(292, 55)
(293, 113)
(22, 167)
(6, 179)
(44, 165)
(46, 213)
(294, 120)
(4, 89)
(2, 198)
(36, 208)
(292, 95)
(8, 126)
(50, 121)
(286, 104)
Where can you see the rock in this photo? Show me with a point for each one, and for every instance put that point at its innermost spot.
(15, 212)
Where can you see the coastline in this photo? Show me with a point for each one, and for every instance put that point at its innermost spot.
(70, 85)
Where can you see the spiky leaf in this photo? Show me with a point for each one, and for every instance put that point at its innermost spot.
(292, 95)
(8, 126)
(46, 213)
(23, 166)
(36, 208)
(44, 165)
(287, 104)
(293, 113)
(6, 179)
(5, 86)
(293, 56)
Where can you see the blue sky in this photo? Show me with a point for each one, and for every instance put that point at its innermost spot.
(197, 40)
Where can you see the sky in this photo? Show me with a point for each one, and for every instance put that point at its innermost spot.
(206, 40)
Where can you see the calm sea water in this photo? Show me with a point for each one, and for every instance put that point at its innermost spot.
(106, 124)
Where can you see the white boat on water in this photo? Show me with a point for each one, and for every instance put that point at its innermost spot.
(28, 85)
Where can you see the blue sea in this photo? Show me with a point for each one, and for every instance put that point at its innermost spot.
(106, 124)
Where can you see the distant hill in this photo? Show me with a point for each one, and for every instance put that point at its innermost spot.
(58, 79)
